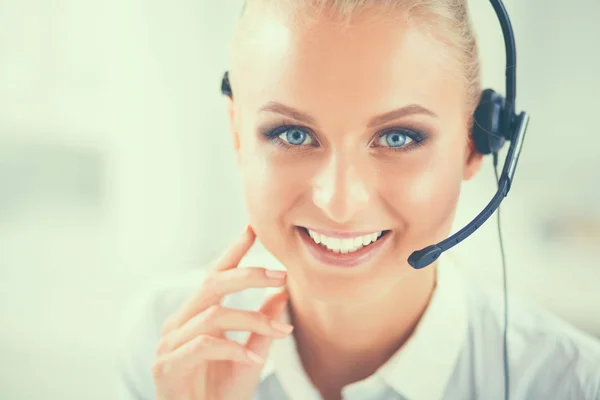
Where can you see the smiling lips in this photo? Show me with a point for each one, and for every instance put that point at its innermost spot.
(346, 244)
(343, 249)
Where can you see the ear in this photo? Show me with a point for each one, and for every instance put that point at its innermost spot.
(473, 160)
(232, 126)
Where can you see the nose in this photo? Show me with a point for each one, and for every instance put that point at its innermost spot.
(340, 190)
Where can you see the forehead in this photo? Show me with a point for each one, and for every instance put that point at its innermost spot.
(326, 67)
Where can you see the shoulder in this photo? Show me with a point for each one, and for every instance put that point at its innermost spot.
(547, 355)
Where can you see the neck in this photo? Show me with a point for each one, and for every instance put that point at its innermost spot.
(341, 344)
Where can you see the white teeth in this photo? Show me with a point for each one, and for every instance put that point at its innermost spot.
(346, 245)
(334, 243)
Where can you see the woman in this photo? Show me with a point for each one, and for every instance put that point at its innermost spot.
(351, 122)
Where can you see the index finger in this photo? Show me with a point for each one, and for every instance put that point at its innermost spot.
(237, 251)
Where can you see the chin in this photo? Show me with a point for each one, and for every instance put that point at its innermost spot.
(330, 289)
(345, 289)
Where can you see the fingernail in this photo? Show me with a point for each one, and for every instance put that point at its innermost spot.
(255, 357)
(275, 274)
(282, 327)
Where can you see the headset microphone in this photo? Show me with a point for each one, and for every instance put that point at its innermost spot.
(422, 258)
(494, 123)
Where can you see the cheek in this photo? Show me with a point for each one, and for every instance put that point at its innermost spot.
(433, 187)
(271, 187)
(426, 195)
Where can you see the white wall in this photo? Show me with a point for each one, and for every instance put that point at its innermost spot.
(114, 154)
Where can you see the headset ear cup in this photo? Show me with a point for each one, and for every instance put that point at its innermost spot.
(487, 131)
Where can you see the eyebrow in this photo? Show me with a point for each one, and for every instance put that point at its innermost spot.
(412, 109)
(381, 119)
(291, 112)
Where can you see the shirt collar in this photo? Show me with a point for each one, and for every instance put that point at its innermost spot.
(419, 370)
(422, 368)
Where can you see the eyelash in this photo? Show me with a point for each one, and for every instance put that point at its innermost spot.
(273, 136)
(418, 138)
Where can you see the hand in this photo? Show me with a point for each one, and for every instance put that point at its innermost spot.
(194, 359)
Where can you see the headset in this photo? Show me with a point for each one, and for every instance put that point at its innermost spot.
(494, 123)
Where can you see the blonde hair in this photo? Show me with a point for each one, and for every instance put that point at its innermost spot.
(447, 20)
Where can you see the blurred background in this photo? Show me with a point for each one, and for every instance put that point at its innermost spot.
(116, 170)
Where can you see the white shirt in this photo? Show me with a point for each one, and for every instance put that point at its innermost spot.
(454, 353)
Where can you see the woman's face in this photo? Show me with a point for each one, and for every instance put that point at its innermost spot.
(349, 131)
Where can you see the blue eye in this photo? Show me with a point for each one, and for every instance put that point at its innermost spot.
(296, 137)
(395, 138)
(292, 138)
